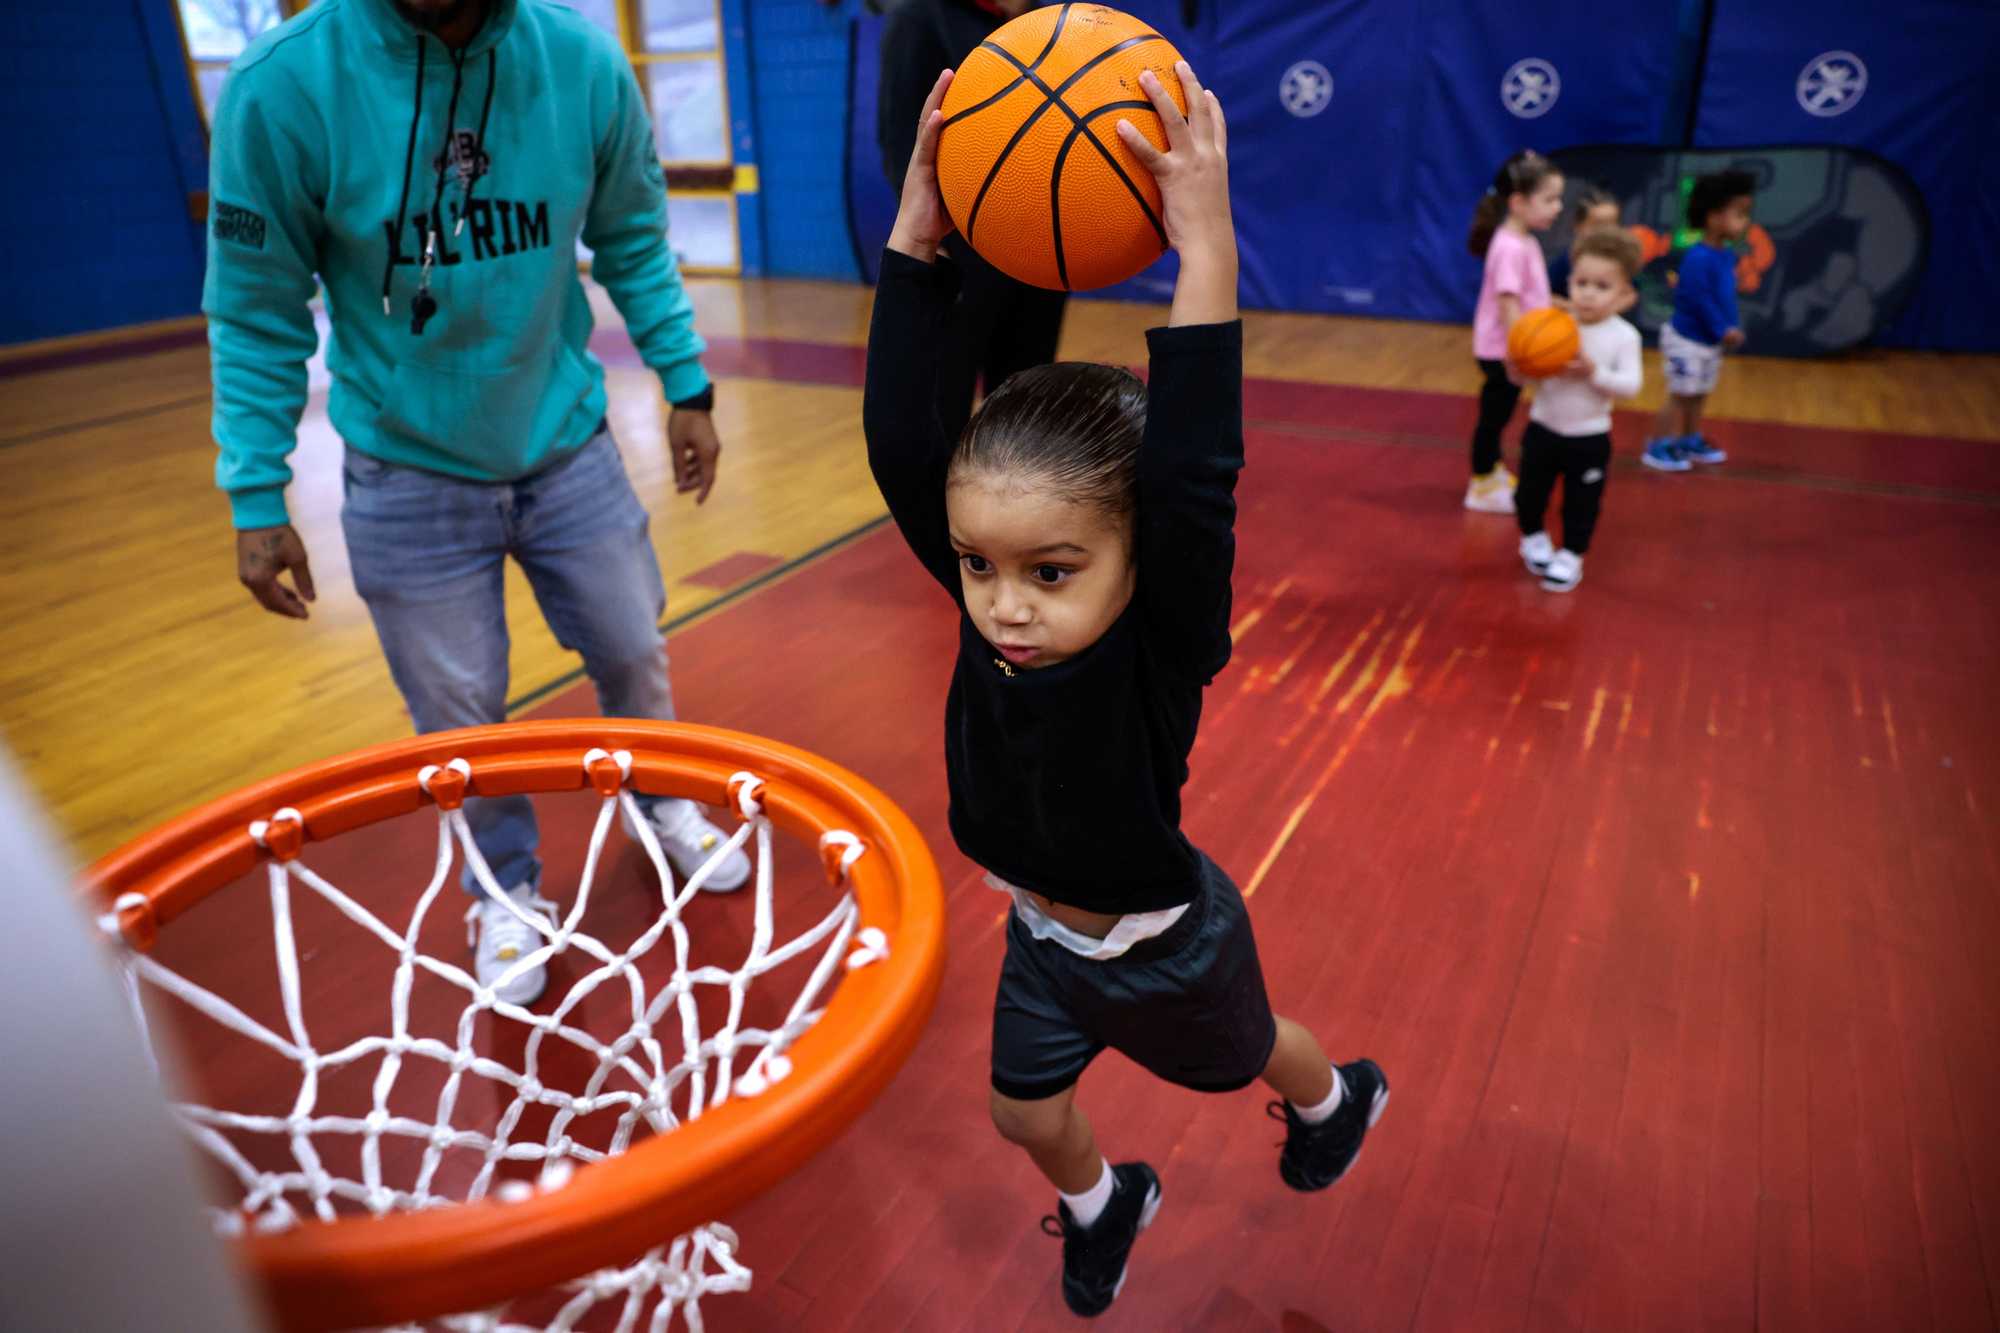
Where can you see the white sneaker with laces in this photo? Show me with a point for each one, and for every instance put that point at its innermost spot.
(1565, 571)
(1492, 493)
(689, 840)
(504, 938)
(1536, 552)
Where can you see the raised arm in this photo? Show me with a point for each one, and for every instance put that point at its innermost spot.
(908, 450)
(1193, 448)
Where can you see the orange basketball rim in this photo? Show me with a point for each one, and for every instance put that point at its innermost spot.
(369, 1270)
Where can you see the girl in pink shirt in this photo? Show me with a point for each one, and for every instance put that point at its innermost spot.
(1526, 197)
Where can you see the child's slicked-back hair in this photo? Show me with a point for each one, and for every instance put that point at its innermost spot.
(1074, 426)
(1616, 244)
(1714, 191)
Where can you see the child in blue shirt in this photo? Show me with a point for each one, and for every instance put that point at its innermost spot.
(1705, 322)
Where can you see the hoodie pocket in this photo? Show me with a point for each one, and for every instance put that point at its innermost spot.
(499, 423)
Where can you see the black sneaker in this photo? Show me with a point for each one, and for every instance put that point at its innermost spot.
(1094, 1257)
(1317, 1155)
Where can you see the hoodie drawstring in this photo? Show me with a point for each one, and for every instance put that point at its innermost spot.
(479, 143)
(409, 160)
(423, 306)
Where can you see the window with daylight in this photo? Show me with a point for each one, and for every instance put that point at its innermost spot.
(676, 49)
(215, 33)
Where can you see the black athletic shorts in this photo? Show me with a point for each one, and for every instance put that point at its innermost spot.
(1188, 1005)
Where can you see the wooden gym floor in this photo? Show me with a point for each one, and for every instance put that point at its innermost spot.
(1668, 906)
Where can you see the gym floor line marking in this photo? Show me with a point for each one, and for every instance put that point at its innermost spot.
(71, 428)
(722, 603)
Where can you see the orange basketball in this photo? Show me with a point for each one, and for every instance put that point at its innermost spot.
(1030, 163)
(1542, 342)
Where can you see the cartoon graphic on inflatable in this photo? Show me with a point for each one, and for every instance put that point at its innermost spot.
(1835, 252)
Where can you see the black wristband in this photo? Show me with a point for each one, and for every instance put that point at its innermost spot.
(701, 402)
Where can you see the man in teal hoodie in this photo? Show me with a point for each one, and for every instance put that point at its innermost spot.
(434, 163)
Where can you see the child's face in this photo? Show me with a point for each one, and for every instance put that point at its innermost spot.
(1044, 576)
(1599, 217)
(1598, 289)
(1538, 209)
(1731, 220)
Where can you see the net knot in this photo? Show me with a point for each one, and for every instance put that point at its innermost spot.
(838, 851)
(871, 945)
(746, 791)
(283, 835)
(132, 917)
(609, 770)
(757, 1079)
(446, 785)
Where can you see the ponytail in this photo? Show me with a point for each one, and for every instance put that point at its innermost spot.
(1486, 219)
(1519, 174)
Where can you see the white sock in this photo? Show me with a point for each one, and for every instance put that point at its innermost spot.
(1312, 1115)
(1088, 1206)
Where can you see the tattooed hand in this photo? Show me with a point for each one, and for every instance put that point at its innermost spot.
(264, 553)
(692, 440)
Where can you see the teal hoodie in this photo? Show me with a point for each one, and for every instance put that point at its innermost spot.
(333, 127)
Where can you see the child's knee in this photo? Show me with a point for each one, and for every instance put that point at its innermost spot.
(1029, 1124)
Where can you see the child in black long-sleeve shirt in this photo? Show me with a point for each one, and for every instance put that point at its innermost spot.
(1083, 524)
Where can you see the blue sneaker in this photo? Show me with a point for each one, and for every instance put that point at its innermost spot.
(1695, 449)
(1664, 455)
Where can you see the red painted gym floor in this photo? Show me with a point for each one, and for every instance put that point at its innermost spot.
(1669, 906)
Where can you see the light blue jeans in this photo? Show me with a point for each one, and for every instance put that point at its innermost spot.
(428, 553)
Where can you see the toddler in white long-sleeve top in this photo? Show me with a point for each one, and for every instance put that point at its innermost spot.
(1569, 426)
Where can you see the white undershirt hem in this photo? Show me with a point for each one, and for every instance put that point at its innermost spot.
(1132, 928)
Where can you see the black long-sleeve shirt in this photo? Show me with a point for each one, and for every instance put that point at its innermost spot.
(920, 40)
(1066, 780)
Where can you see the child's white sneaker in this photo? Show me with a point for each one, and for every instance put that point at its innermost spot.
(1492, 493)
(1536, 552)
(1565, 571)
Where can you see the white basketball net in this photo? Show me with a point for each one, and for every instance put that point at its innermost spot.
(703, 1075)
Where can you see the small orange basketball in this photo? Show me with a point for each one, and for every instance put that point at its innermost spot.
(1542, 342)
(1030, 163)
